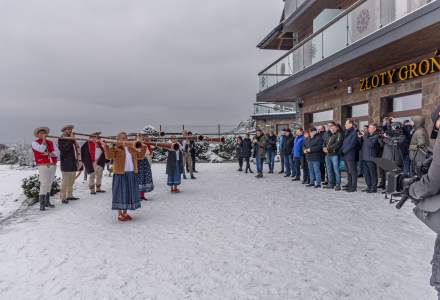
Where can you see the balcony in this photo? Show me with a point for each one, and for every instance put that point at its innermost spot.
(362, 19)
(286, 109)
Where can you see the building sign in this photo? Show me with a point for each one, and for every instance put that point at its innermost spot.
(424, 67)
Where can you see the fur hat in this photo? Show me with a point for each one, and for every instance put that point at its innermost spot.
(40, 129)
(68, 126)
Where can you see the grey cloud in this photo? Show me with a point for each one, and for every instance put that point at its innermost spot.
(109, 64)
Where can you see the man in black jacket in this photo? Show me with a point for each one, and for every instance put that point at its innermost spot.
(370, 153)
(313, 152)
(69, 159)
(332, 146)
(349, 151)
(287, 152)
(271, 150)
(247, 152)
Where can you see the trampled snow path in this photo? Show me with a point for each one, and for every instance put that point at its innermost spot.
(227, 236)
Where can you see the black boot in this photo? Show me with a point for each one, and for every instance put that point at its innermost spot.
(42, 202)
(48, 204)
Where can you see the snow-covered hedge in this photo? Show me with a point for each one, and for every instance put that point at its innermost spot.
(17, 155)
(31, 187)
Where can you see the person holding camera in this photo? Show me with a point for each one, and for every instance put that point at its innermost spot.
(423, 191)
(419, 138)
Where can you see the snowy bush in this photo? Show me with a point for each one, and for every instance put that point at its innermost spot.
(31, 187)
(17, 155)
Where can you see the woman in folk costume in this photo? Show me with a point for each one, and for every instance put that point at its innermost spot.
(145, 177)
(46, 161)
(125, 189)
(174, 167)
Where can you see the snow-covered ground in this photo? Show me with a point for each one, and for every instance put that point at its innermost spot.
(11, 195)
(227, 236)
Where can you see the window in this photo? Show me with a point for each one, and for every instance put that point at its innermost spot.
(323, 116)
(409, 102)
(359, 110)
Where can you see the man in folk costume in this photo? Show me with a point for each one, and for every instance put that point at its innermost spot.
(93, 158)
(187, 159)
(70, 157)
(193, 153)
(46, 161)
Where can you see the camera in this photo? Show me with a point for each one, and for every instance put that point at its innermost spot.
(397, 182)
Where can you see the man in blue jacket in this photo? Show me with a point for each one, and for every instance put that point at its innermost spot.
(349, 150)
(297, 153)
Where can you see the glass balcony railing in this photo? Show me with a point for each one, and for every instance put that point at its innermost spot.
(358, 21)
(274, 109)
(291, 6)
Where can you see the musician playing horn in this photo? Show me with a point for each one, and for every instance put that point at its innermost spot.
(70, 158)
(125, 191)
(93, 158)
(46, 161)
(174, 167)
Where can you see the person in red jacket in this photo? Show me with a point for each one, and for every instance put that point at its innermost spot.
(93, 159)
(46, 160)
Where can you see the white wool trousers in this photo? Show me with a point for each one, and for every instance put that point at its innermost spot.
(46, 175)
(95, 178)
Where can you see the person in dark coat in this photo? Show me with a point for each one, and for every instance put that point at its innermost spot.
(332, 146)
(93, 158)
(370, 153)
(271, 150)
(350, 151)
(247, 152)
(304, 163)
(313, 152)
(239, 152)
(287, 152)
(174, 168)
(69, 160)
(260, 151)
(427, 187)
(323, 134)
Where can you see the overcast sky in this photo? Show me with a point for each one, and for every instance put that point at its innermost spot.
(122, 64)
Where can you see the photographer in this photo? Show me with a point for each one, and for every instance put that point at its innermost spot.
(419, 138)
(394, 145)
(428, 186)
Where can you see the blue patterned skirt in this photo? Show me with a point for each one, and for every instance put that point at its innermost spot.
(176, 178)
(125, 192)
(144, 176)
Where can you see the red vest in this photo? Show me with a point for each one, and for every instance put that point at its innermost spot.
(43, 158)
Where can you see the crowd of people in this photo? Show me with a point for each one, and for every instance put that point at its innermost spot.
(317, 156)
(130, 165)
